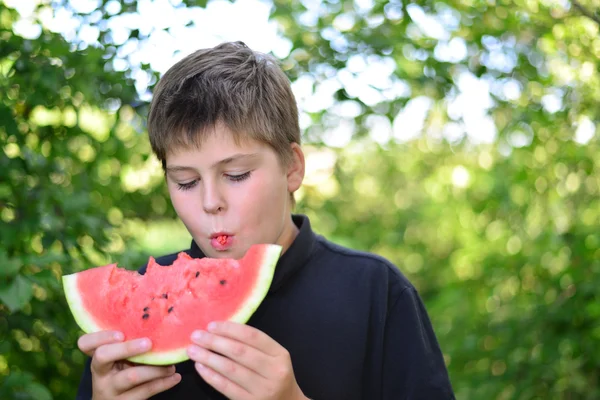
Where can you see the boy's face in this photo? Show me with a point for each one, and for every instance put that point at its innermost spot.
(233, 196)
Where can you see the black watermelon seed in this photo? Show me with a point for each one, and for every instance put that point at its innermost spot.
(145, 316)
(170, 309)
(165, 296)
(197, 273)
(146, 309)
(222, 281)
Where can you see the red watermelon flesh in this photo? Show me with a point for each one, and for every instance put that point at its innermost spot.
(168, 303)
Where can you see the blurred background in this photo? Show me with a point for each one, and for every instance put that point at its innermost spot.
(458, 138)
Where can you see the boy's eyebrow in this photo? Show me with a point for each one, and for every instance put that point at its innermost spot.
(178, 168)
(235, 157)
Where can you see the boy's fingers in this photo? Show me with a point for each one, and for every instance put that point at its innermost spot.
(149, 389)
(135, 376)
(106, 355)
(240, 375)
(89, 342)
(228, 388)
(246, 334)
(241, 353)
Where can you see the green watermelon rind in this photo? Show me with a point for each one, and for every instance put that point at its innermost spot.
(88, 325)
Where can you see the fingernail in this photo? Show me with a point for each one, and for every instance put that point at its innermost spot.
(212, 326)
(176, 377)
(197, 336)
(200, 366)
(143, 344)
(119, 336)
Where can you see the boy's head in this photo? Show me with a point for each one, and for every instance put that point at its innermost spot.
(224, 124)
(229, 84)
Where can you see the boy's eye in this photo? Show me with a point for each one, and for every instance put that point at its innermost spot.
(239, 178)
(187, 185)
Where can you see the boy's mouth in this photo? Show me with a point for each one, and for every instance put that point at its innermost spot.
(221, 241)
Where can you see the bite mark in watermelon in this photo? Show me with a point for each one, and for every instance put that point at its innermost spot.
(168, 303)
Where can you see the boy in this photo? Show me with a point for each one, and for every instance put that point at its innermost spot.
(336, 323)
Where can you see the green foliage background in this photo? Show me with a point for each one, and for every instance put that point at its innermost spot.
(500, 238)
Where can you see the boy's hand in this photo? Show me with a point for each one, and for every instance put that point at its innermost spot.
(249, 364)
(114, 378)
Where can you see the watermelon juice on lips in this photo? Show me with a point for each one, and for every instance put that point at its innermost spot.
(221, 241)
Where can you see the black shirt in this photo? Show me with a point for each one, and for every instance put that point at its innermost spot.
(354, 326)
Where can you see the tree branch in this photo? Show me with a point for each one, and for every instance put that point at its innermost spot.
(585, 11)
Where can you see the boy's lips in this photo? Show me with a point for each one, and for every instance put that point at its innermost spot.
(221, 241)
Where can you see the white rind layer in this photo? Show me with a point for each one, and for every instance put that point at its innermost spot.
(265, 277)
(83, 319)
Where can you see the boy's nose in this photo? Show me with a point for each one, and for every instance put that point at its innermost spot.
(212, 201)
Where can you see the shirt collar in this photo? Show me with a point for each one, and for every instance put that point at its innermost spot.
(294, 257)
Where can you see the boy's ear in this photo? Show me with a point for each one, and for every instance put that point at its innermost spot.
(295, 170)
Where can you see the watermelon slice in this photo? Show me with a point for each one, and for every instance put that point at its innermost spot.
(167, 304)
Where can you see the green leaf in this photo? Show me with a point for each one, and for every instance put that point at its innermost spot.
(21, 385)
(17, 379)
(4, 347)
(44, 259)
(16, 294)
(45, 278)
(9, 267)
(38, 392)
